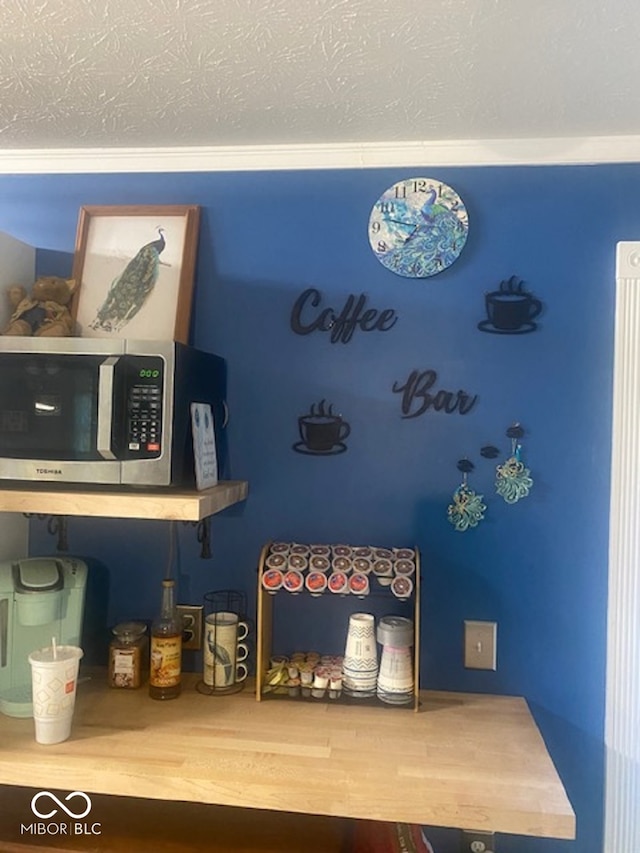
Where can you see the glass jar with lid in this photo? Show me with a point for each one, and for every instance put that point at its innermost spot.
(126, 654)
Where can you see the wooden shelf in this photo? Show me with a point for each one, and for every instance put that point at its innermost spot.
(470, 761)
(110, 502)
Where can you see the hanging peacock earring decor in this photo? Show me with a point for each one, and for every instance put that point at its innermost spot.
(130, 289)
(468, 508)
(513, 478)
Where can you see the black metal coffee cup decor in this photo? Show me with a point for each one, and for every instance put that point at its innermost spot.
(322, 432)
(511, 310)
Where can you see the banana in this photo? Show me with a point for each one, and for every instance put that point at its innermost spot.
(274, 677)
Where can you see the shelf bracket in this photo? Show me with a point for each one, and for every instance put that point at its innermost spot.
(56, 526)
(203, 535)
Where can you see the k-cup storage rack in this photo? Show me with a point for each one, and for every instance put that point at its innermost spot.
(300, 612)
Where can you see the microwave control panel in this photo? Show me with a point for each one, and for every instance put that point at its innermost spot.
(144, 407)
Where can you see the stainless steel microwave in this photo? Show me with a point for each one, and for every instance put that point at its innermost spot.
(94, 410)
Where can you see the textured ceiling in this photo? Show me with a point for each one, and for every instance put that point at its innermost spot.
(118, 73)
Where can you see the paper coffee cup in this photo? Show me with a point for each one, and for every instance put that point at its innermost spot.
(54, 678)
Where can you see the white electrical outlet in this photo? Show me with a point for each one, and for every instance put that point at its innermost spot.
(477, 842)
(480, 645)
(191, 615)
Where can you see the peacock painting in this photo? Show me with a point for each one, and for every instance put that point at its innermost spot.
(131, 288)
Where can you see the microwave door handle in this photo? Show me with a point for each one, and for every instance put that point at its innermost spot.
(106, 373)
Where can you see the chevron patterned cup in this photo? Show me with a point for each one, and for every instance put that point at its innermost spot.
(360, 664)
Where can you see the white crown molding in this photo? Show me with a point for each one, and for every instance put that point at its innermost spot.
(490, 152)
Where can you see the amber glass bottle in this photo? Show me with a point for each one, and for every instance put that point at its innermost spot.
(166, 648)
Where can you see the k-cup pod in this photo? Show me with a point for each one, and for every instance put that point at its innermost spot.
(272, 580)
(306, 674)
(404, 554)
(363, 551)
(383, 570)
(404, 567)
(362, 564)
(320, 550)
(359, 584)
(321, 678)
(279, 548)
(298, 562)
(276, 561)
(297, 548)
(338, 583)
(319, 563)
(341, 564)
(402, 586)
(293, 686)
(293, 581)
(335, 683)
(316, 582)
(383, 553)
(341, 550)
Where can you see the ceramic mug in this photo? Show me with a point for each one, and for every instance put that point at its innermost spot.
(224, 651)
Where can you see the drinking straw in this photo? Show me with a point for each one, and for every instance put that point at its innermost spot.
(55, 648)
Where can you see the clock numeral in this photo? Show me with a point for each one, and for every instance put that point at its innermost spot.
(400, 191)
(375, 227)
(382, 246)
(386, 207)
(420, 186)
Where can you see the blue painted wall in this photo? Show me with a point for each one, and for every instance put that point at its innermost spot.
(539, 567)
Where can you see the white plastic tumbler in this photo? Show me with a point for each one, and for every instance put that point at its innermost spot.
(54, 678)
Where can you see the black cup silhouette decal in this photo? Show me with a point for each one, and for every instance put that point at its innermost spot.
(322, 433)
(511, 310)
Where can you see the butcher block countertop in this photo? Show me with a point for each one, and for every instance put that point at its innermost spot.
(470, 761)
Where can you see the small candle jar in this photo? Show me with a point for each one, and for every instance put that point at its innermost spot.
(126, 653)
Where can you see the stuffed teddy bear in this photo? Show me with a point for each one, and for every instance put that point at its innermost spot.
(45, 312)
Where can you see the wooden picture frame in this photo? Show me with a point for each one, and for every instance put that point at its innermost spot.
(134, 267)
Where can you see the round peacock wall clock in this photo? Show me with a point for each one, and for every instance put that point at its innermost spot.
(418, 227)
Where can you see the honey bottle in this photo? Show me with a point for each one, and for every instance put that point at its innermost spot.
(166, 648)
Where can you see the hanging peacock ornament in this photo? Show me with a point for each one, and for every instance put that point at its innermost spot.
(130, 290)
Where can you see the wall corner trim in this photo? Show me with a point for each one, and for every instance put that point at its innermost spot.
(622, 744)
(370, 155)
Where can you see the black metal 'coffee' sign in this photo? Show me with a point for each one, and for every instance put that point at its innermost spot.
(306, 317)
